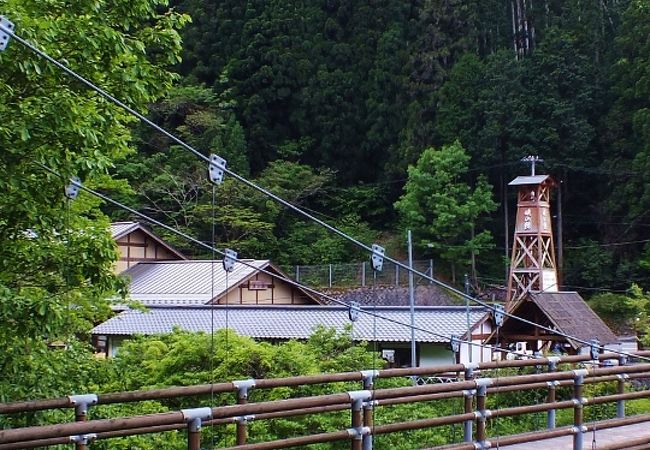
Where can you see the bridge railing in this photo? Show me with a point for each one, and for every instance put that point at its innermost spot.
(473, 389)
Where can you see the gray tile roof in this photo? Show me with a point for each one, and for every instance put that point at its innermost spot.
(188, 282)
(294, 322)
(119, 229)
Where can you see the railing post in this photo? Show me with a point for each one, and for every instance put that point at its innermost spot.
(578, 409)
(368, 419)
(357, 399)
(482, 413)
(81, 405)
(363, 274)
(469, 403)
(243, 386)
(551, 398)
(194, 418)
(620, 389)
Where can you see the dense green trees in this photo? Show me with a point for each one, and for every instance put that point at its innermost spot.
(362, 89)
(443, 211)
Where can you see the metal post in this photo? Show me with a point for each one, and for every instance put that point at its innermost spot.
(396, 275)
(330, 275)
(620, 389)
(431, 270)
(357, 399)
(81, 405)
(470, 348)
(551, 398)
(194, 434)
(194, 418)
(481, 401)
(368, 406)
(81, 415)
(412, 302)
(469, 405)
(578, 410)
(363, 274)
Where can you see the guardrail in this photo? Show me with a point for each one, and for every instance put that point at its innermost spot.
(473, 389)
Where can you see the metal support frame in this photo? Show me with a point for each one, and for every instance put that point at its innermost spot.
(72, 189)
(216, 170)
(81, 405)
(5, 24)
(82, 441)
(194, 418)
(357, 400)
(354, 310)
(243, 387)
(229, 259)
(377, 258)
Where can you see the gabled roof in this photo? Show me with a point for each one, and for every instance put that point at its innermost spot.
(565, 312)
(294, 322)
(190, 282)
(121, 229)
(573, 316)
(425, 295)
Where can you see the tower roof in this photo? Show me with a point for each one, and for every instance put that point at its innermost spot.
(530, 179)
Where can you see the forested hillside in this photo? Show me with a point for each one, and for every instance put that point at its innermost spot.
(374, 116)
(328, 102)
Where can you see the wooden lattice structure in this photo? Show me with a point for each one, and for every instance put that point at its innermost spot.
(532, 267)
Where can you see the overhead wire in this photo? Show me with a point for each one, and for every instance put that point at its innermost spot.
(277, 198)
(294, 283)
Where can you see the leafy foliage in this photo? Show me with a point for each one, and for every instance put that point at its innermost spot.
(56, 257)
(443, 211)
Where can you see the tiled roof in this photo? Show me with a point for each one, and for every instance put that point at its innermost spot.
(427, 295)
(119, 229)
(188, 282)
(295, 322)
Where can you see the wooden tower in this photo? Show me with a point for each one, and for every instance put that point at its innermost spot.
(532, 266)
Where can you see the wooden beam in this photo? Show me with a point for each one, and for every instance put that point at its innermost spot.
(528, 337)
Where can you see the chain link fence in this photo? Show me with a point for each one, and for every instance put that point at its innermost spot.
(359, 274)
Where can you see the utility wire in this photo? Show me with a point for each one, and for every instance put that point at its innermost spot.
(294, 283)
(278, 199)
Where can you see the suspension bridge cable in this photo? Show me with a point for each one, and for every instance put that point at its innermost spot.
(294, 283)
(279, 199)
